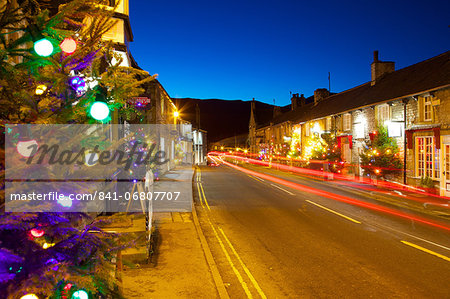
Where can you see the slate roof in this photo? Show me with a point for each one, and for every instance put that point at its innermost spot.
(421, 77)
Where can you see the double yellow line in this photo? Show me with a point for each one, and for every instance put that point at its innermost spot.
(222, 239)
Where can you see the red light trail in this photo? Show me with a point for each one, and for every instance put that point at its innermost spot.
(337, 197)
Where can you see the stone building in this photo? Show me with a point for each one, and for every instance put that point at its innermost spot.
(420, 91)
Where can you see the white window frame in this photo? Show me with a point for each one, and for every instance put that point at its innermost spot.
(347, 122)
(427, 108)
(383, 113)
(427, 157)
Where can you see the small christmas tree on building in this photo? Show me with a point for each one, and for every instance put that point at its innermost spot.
(380, 156)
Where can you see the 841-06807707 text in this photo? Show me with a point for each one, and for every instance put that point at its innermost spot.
(156, 195)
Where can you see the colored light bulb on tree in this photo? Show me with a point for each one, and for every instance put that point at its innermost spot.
(77, 83)
(37, 233)
(40, 89)
(99, 111)
(80, 294)
(29, 296)
(43, 47)
(65, 202)
(68, 45)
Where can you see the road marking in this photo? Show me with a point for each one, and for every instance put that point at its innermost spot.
(218, 281)
(289, 192)
(227, 255)
(259, 179)
(377, 225)
(334, 212)
(200, 195)
(250, 176)
(426, 250)
(247, 271)
(204, 197)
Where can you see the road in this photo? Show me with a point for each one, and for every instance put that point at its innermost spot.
(272, 241)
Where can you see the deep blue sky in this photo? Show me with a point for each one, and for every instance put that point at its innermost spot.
(240, 49)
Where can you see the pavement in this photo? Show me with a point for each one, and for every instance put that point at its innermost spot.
(178, 184)
(179, 267)
(180, 271)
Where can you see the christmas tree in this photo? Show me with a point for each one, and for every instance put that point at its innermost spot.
(323, 147)
(380, 155)
(53, 70)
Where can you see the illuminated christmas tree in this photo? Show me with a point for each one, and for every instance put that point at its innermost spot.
(295, 148)
(55, 69)
(380, 155)
(323, 147)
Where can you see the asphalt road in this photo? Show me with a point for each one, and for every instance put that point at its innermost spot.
(269, 240)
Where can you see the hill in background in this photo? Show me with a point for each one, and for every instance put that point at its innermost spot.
(223, 118)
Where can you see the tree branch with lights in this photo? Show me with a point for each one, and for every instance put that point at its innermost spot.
(55, 69)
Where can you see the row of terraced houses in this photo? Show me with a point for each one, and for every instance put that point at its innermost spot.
(413, 103)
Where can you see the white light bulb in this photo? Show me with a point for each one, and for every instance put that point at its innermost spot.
(99, 111)
(43, 47)
(25, 148)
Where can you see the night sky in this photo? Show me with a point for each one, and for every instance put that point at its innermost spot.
(265, 49)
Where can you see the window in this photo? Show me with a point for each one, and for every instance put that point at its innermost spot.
(328, 124)
(347, 122)
(427, 109)
(383, 113)
(359, 130)
(307, 129)
(427, 157)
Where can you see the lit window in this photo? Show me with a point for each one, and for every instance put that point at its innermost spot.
(383, 113)
(328, 124)
(427, 109)
(347, 122)
(359, 130)
(427, 158)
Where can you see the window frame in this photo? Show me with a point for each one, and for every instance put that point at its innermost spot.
(427, 103)
(383, 113)
(346, 122)
(427, 158)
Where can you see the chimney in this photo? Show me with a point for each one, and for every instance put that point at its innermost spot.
(380, 68)
(320, 94)
(294, 102)
(276, 111)
(302, 100)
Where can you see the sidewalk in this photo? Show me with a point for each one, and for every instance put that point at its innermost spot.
(173, 181)
(180, 269)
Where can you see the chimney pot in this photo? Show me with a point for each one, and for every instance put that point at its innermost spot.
(375, 56)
